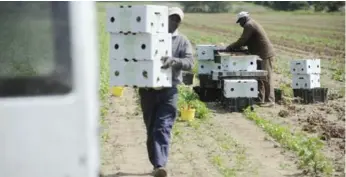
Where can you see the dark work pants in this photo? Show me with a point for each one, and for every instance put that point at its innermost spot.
(159, 109)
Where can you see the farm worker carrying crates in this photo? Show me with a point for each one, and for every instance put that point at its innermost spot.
(159, 105)
(258, 43)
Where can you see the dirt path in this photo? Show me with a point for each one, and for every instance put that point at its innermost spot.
(225, 145)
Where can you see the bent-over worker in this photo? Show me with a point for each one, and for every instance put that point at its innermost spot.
(258, 43)
(159, 105)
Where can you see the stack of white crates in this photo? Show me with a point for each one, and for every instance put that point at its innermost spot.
(139, 38)
(205, 56)
(230, 63)
(238, 88)
(237, 92)
(306, 73)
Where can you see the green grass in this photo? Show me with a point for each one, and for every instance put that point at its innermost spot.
(308, 149)
(104, 71)
(224, 152)
(229, 148)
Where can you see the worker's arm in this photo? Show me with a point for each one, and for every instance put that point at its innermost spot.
(247, 32)
(185, 61)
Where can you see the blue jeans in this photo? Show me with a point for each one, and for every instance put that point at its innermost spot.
(159, 109)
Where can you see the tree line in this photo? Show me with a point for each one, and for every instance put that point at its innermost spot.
(225, 6)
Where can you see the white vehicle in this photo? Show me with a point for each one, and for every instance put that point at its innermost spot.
(49, 89)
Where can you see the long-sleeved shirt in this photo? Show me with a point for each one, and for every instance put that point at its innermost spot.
(256, 39)
(181, 50)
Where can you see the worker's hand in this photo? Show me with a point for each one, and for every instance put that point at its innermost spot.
(169, 62)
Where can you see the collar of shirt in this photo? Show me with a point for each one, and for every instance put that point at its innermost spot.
(175, 33)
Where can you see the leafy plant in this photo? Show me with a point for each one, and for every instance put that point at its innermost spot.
(202, 112)
(286, 90)
(339, 75)
(188, 99)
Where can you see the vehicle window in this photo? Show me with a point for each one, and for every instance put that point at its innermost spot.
(35, 57)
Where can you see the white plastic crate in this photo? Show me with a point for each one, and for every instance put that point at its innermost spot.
(240, 88)
(306, 81)
(239, 63)
(205, 52)
(308, 66)
(137, 18)
(140, 74)
(140, 46)
(206, 66)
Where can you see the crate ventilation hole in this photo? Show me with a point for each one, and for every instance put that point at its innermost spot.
(138, 19)
(145, 74)
(129, 6)
(112, 19)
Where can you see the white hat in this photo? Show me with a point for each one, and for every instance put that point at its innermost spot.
(242, 14)
(177, 11)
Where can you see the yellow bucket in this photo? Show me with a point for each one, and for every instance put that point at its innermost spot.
(118, 91)
(187, 114)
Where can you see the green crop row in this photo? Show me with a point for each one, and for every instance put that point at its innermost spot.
(308, 149)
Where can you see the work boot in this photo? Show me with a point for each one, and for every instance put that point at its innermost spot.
(270, 104)
(160, 172)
